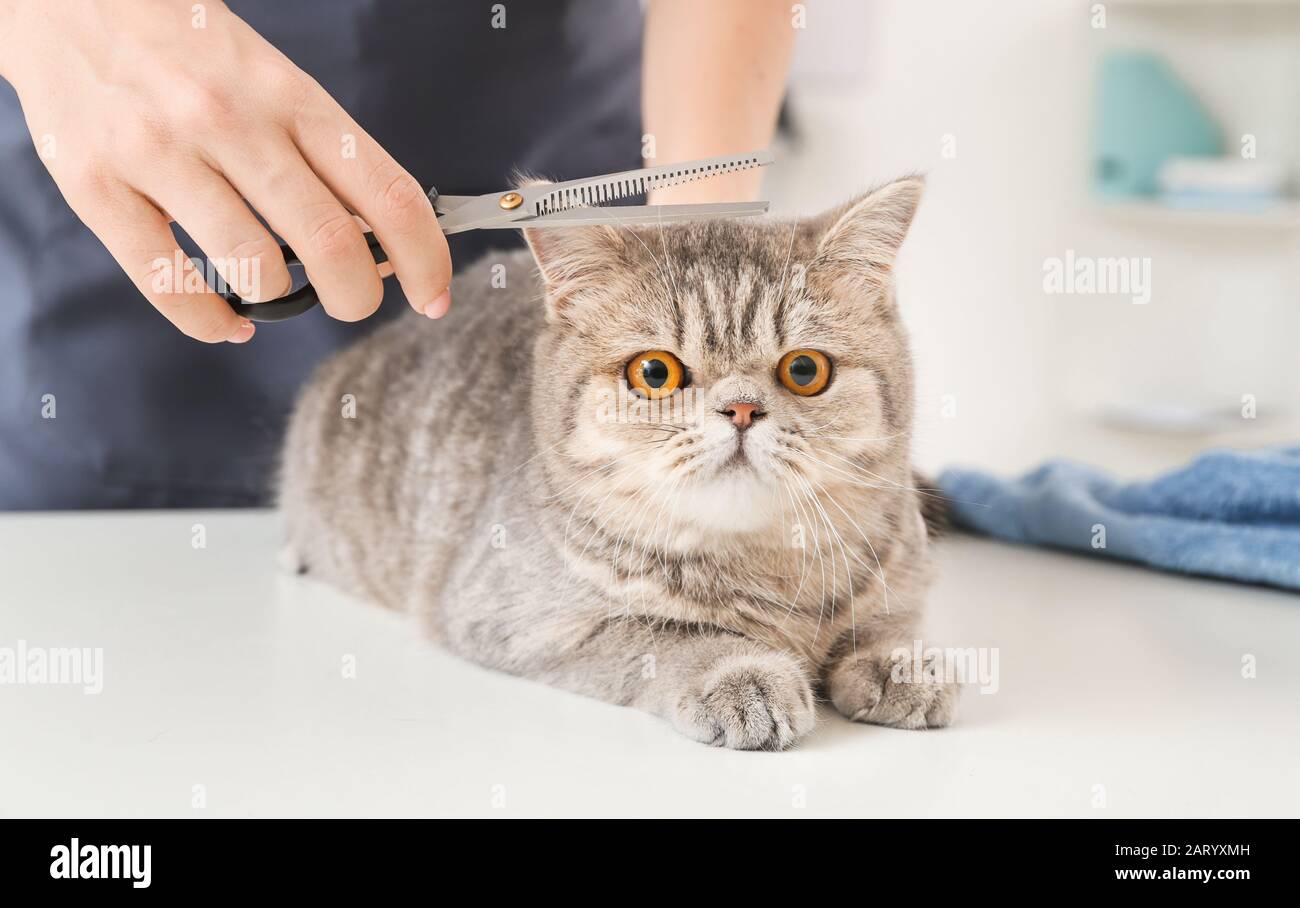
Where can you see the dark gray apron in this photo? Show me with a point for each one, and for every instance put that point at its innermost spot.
(145, 417)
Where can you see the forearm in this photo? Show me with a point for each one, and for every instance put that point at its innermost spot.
(713, 79)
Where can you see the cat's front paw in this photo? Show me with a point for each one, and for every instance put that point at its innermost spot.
(884, 691)
(749, 701)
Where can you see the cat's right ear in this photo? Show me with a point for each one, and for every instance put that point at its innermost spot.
(860, 240)
(574, 261)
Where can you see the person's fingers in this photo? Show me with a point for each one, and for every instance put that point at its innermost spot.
(393, 202)
(385, 268)
(241, 250)
(323, 233)
(139, 237)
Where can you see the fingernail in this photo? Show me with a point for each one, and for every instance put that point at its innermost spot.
(438, 308)
(242, 334)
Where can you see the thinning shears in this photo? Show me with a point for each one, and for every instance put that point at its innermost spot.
(573, 203)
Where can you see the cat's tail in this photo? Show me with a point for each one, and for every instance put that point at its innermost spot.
(934, 506)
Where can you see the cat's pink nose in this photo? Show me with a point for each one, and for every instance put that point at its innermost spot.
(742, 415)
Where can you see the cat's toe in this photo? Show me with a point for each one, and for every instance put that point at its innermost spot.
(873, 690)
(943, 705)
(750, 702)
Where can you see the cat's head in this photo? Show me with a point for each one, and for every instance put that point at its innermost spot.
(717, 375)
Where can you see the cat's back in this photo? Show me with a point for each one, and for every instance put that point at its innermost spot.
(415, 365)
(403, 436)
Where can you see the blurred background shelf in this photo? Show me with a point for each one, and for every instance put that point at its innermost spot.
(1281, 217)
(1194, 4)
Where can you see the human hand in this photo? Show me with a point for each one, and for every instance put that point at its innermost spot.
(159, 110)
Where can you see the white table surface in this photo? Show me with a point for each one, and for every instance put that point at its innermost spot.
(222, 672)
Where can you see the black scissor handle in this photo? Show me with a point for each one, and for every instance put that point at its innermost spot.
(295, 303)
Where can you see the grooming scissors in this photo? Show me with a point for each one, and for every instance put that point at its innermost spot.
(573, 203)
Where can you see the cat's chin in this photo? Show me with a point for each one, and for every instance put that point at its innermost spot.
(734, 501)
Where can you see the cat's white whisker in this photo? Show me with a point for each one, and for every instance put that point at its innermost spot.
(852, 478)
(877, 438)
(803, 562)
(541, 453)
(879, 573)
(848, 568)
(663, 242)
(880, 567)
(672, 289)
(931, 493)
(603, 466)
(817, 550)
(811, 433)
(832, 537)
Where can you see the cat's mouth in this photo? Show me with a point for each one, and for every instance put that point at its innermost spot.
(737, 460)
(735, 495)
(742, 461)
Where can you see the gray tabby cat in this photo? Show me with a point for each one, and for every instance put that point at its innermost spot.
(670, 472)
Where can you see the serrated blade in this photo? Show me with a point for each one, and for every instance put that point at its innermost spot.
(600, 190)
(640, 214)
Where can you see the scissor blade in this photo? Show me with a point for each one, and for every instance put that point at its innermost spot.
(640, 214)
(599, 190)
(509, 208)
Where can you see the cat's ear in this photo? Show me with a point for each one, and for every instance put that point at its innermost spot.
(572, 259)
(862, 239)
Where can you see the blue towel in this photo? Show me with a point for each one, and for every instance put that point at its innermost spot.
(1228, 514)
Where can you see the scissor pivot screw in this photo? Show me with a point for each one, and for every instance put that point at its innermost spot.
(511, 200)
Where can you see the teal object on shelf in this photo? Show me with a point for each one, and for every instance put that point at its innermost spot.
(1145, 114)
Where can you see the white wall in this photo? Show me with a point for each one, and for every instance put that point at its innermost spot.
(878, 87)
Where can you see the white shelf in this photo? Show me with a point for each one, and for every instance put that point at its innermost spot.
(1284, 216)
(1192, 4)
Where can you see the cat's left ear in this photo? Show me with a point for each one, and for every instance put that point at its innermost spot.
(862, 238)
(575, 261)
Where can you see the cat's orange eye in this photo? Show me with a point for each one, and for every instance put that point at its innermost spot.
(656, 373)
(805, 372)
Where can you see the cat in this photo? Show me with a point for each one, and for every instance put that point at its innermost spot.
(664, 466)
